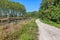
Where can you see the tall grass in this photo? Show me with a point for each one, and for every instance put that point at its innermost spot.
(27, 31)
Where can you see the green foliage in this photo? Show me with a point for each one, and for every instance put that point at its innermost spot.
(11, 8)
(33, 14)
(50, 10)
(28, 31)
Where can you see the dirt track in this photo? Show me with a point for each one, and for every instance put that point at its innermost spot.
(47, 32)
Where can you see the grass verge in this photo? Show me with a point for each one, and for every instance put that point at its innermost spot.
(28, 31)
(51, 23)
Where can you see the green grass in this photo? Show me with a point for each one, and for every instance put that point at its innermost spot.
(51, 23)
(28, 31)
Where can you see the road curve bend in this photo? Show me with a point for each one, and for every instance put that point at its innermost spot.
(47, 32)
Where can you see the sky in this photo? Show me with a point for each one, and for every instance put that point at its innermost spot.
(30, 5)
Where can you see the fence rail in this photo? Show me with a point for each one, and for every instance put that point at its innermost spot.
(11, 19)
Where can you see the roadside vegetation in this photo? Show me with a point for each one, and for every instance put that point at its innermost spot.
(21, 29)
(50, 12)
(28, 31)
(50, 23)
(26, 28)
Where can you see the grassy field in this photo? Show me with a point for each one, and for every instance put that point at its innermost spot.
(23, 30)
(51, 23)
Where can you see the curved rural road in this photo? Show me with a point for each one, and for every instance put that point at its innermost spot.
(47, 32)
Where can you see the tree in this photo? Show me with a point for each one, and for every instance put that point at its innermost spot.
(50, 10)
(11, 8)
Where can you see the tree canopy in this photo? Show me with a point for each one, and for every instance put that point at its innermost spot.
(50, 10)
(11, 6)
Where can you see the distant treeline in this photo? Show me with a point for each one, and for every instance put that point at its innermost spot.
(9, 8)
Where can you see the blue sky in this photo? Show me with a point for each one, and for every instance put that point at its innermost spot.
(30, 5)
